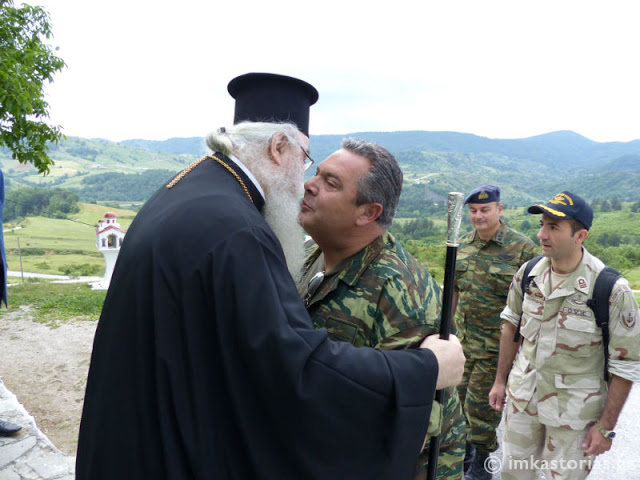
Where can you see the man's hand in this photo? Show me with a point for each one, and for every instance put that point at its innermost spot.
(497, 396)
(595, 443)
(450, 359)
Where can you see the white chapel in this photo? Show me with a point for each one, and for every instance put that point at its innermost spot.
(109, 238)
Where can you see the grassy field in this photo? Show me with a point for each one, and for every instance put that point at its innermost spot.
(49, 245)
(634, 277)
(55, 303)
(53, 245)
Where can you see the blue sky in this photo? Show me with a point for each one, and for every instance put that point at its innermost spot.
(501, 69)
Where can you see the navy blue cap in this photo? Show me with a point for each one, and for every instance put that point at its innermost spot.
(566, 206)
(484, 194)
(267, 97)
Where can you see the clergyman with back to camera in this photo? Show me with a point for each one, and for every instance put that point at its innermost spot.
(204, 358)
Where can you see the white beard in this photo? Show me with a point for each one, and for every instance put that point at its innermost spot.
(281, 213)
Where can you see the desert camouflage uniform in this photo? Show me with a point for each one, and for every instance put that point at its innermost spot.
(484, 270)
(556, 389)
(382, 297)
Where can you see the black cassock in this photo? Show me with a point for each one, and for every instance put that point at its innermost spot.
(205, 363)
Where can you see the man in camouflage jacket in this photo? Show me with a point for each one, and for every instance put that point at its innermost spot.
(487, 259)
(560, 411)
(361, 285)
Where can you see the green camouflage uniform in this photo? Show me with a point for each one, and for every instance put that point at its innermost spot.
(556, 389)
(382, 297)
(484, 270)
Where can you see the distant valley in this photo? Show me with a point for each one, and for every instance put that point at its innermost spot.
(434, 163)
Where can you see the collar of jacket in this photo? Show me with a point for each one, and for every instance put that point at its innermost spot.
(352, 268)
(498, 238)
(580, 279)
(256, 197)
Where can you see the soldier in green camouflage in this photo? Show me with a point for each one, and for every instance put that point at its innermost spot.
(361, 285)
(487, 259)
(561, 411)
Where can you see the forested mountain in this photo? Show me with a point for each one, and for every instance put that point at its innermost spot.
(528, 169)
(565, 150)
(191, 146)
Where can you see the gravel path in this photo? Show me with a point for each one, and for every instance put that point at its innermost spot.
(46, 368)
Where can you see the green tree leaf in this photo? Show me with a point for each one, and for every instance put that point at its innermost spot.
(26, 63)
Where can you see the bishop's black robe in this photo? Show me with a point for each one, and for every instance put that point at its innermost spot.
(205, 363)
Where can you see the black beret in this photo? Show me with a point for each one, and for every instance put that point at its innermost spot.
(484, 194)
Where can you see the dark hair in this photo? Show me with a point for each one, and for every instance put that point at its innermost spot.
(383, 183)
(576, 226)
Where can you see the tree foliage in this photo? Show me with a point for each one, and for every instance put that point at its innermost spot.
(615, 204)
(419, 228)
(621, 257)
(53, 203)
(122, 186)
(26, 63)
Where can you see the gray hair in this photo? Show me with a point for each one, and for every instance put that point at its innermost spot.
(383, 183)
(249, 141)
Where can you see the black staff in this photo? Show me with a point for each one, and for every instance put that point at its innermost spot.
(454, 216)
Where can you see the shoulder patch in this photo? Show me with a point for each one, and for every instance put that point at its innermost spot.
(629, 319)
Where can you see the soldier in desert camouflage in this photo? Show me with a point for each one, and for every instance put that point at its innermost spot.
(487, 259)
(361, 285)
(560, 411)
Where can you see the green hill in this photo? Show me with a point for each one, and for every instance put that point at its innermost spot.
(48, 245)
(194, 146)
(77, 159)
(434, 163)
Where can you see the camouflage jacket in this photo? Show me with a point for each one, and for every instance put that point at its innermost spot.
(484, 270)
(380, 297)
(562, 355)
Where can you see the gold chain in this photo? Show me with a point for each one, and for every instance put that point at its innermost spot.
(184, 172)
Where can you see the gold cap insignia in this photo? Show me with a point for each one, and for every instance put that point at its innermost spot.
(562, 199)
(483, 195)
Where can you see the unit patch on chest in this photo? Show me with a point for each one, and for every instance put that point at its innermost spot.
(578, 300)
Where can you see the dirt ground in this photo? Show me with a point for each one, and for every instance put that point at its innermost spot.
(46, 368)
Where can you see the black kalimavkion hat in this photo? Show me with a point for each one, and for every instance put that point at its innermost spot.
(268, 97)
(566, 206)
